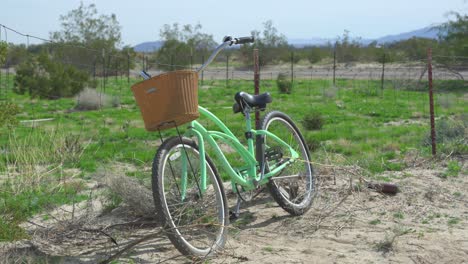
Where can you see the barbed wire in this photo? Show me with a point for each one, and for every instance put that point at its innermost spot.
(67, 44)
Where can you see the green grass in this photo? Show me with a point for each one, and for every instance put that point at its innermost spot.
(363, 125)
(452, 170)
(18, 207)
(453, 221)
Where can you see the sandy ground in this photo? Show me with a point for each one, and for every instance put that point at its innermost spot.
(426, 222)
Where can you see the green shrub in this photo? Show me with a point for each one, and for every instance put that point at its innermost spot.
(450, 136)
(284, 83)
(41, 77)
(453, 169)
(3, 52)
(313, 121)
(8, 112)
(312, 143)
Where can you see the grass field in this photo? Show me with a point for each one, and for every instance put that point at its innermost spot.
(48, 163)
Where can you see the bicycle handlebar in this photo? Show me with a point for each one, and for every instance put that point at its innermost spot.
(244, 40)
(227, 41)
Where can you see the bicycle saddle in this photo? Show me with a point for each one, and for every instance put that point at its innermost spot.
(244, 99)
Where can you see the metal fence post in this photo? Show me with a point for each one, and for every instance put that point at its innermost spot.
(334, 64)
(383, 72)
(128, 68)
(431, 100)
(227, 71)
(292, 67)
(256, 84)
(202, 73)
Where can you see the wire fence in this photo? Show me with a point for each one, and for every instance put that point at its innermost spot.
(339, 84)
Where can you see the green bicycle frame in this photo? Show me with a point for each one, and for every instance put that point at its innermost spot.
(248, 177)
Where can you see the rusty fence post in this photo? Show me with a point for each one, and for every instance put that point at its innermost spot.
(431, 100)
(334, 65)
(256, 85)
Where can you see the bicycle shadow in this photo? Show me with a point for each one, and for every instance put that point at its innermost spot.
(257, 213)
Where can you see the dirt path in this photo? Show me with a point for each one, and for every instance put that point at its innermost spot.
(425, 223)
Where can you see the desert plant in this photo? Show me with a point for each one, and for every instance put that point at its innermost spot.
(330, 93)
(45, 78)
(3, 52)
(8, 112)
(450, 136)
(29, 156)
(313, 121)
(312, 143)
(115, 101)
(132, 193)
(284, 83)
(90, 99)
(453, 169)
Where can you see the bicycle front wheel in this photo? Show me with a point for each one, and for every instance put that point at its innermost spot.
(294, 187)
(194, 220)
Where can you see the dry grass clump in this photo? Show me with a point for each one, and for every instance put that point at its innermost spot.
(31, 160)
(138, 197)
(90, 99)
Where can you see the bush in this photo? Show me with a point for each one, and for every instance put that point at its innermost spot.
(8, 112)
(450, 136)
(284, 83)
(313, 121)
(312, 143)
(90, 99)
(41, 77)
(3, 52)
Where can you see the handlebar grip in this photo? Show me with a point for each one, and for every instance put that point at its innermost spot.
(245, 40)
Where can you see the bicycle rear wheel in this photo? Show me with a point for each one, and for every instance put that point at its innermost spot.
(294, 187)
(195, 221)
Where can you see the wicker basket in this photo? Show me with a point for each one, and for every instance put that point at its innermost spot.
(168, 100)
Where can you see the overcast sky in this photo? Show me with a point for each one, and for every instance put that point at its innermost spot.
(297, 19)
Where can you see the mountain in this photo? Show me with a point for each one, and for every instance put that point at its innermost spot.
(148, 46)
(428, 32)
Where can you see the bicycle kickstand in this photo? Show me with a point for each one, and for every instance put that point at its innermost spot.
(233, 215)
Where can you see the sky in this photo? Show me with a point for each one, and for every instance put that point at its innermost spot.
(297, 19)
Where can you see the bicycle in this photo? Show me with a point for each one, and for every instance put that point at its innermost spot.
(188, 192)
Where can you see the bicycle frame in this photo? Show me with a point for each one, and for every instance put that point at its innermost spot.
(248, 176)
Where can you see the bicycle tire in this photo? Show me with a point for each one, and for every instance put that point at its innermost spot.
(176, 224)
(285, 190)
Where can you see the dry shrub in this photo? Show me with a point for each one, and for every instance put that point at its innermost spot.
(138, 197)
(284, 83)
(330, 93)
(90, 99)
(313, 121)
(34, 158)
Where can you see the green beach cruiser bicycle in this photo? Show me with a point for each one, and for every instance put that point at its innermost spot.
(188, 192)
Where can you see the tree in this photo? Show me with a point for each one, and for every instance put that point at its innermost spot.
(180, 45)
(315, 54)
(455, 34)
(89, 38)
(84, 25)
(272, 45)
(347, 49)
(414, 48)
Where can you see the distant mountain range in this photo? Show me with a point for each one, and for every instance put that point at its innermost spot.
(149, 46)
(430, 32)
